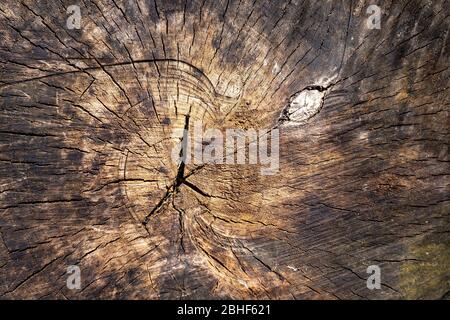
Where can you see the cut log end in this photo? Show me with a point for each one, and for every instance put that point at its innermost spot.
(95, 121)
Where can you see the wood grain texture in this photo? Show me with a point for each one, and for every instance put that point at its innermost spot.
(86, 128)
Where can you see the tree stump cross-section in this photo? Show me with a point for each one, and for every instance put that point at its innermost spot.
(91, 115)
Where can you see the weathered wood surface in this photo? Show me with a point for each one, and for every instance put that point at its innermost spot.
(85, 141)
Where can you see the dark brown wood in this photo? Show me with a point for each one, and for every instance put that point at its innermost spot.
(86, 128)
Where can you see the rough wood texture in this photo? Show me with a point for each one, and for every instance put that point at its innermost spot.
(85, 149)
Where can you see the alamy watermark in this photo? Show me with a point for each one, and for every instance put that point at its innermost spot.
(374, 280)
(73, 281)
(74, 20)
(236, 146)
(374, 20)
